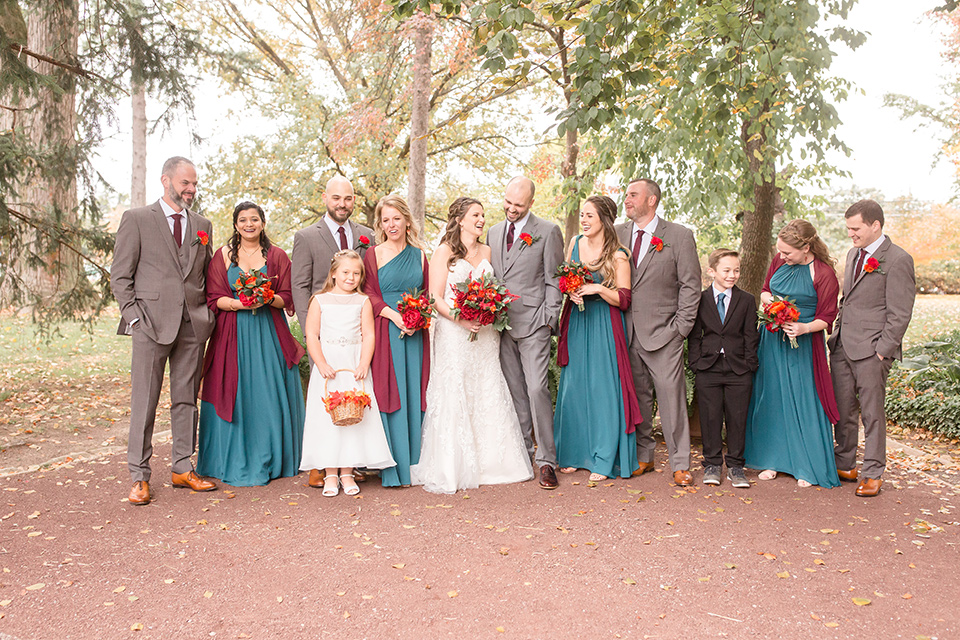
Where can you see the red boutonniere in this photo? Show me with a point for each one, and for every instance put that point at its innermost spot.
(656, 244)
(871, 265)
(364, 243)
(202, 238)
(527, 239)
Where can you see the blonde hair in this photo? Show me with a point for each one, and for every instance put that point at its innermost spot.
(800, 233)
(338, 258)
(397, 202)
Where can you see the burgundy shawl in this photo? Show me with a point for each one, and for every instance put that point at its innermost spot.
(828, 290)
(631, 407)
(384, 377)
(220, 374)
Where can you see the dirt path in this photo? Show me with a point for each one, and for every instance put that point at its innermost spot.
(631, 559)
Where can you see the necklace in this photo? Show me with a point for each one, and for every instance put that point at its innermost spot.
(249, 253)
(476, 249)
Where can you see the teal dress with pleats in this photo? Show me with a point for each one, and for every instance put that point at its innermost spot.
(589, 423)
(787, 428)
(402, 274)
(264, 440)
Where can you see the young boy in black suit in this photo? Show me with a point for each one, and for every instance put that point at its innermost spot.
(723, 355)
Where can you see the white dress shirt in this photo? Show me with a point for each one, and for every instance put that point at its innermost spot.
(648, 233)
(333, 226)
(169, 212)
(873, 247)
(518, 226)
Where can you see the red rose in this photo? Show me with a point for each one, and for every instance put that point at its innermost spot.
(411, 318)
(872, 265)
(364, 240)
(202, 238)
(486, 318)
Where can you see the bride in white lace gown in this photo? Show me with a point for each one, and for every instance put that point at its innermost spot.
(471, 435)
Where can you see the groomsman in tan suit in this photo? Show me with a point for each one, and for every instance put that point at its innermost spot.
(665, 278)
(159, 279)
(879, 288)
(313, 250)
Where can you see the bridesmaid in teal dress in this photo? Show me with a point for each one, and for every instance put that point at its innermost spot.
(252, 410)
(401, 360)
(789, 425)
(597, 412)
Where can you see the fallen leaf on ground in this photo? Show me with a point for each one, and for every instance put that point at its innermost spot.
(120, 589)
(452, 594)
(905, 596)
(832, 625)
(137, 626)
(729, 565)
(783, 574)
(629, 581)
(861, 602)
(279, 598)
(819, 561)
(35, 587)
(208, 594)
(399, 565)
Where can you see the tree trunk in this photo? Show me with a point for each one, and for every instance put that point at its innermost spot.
(138, 169)
(420, 119)
(569, 170)
(758, 223)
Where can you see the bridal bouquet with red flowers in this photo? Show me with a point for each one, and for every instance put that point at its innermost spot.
(776, 313)
(484, 300)
(253, 288)
(416, 309)
(572, 275)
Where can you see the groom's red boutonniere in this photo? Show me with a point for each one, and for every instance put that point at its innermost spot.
(202, 238)
(527, 239)
(657, 244)
(871, 265)
(364, 243)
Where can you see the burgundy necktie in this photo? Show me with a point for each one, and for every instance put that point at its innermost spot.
(510, 237)
(863, 255)
(636, 248)
(343, 239)
(177, 230)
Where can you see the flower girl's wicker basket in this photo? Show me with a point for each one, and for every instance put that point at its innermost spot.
(345, 413)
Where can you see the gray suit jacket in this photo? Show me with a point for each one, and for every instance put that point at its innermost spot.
(529, 272)
(313, 250)
(152, 282)
(876, 307)
(666, 286)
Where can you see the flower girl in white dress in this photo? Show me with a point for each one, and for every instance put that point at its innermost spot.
(339, 336)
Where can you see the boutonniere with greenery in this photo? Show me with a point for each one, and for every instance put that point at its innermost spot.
(364, 243)
(527, 239)
(202, 238)
(872, 265)
(657, 244)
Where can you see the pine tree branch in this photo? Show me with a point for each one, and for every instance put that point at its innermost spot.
(29, 221)
(19, 49)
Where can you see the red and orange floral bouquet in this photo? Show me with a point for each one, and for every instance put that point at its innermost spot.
(416, 309)
(776, 313)
(572, 275)
(484, 300)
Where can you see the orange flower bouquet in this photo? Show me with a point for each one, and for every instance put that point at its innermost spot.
(253, 288)
(776, 313)
(572, 275)
(484, 300)
(416, 309)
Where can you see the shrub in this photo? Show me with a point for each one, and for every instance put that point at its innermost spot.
(297, 333)
(938, 276)
(923, 391)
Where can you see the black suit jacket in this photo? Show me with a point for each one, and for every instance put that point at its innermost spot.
(737, 336)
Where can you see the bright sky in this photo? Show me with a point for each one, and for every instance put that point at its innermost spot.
(901, 55)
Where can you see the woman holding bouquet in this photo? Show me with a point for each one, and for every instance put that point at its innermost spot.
(471, 434)
(597, 412)
(792, 409)
(401, 361)
(251, 410)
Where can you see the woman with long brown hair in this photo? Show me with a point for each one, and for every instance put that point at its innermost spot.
(792, 408)
(597, 411)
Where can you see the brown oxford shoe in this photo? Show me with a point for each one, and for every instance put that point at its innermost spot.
(645, 467)
(316, 478)
(548, 477)
(683, 478)
(139, 493)
(190, 480)
(847, 476)
(869, 487)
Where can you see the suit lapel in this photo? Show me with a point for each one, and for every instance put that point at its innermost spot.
(881, 252)
(327, 237)
(510, 256)
(848, 271)
(163, 229)
(193, 225)
(355, 230)
(495, 242)
(650, 251)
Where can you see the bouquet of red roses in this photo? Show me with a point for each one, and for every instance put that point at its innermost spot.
(484, 301)
(417, 310)
(776, 313)
(253, 288)
(573, 275)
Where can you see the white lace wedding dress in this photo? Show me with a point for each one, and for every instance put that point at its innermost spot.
(471, 435)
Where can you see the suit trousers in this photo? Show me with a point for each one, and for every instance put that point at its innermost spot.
(724, 399)
(525, 362)
(662, 371)
(149, 360)
(860, 387)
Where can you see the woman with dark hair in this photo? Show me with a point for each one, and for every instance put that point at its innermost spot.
(597, 411)
(792, 409)
(471, 434)
(251, 410)
(401, 361)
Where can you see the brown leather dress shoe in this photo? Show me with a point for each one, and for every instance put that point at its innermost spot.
(645, 467)
(316, 478)
(869, 487)
(190, 480)
(683, 478)
(139, 493)
(548, 477)
(847, 476)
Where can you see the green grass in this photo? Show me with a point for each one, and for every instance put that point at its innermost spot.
(932, 315)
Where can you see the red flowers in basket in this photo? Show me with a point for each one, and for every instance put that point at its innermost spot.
(416, 309)
(484, 300)
(336, 398)
(253, 288)
(573, 275)
(776, 313)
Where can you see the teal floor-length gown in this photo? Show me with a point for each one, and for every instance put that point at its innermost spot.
(589, 422)
(264, 440)
(403, 274)
(787, 428)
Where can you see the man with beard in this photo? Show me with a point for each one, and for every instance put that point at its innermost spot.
(159, 279)
(313, 250)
